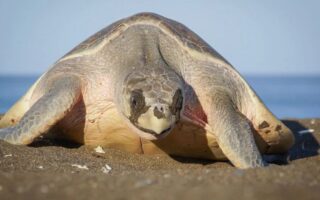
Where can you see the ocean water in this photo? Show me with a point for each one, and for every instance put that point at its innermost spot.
(286, 97)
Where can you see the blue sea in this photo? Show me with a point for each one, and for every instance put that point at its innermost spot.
(286, 97)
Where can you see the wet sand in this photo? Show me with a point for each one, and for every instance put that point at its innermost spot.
(58, 170)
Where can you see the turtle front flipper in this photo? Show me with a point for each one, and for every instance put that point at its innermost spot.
(58, 99)
(233, 132)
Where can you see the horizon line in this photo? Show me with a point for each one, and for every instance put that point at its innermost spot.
(242, 74)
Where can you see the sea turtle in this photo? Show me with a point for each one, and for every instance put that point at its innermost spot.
(148, 84)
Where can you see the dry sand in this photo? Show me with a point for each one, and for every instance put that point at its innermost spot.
(45, 171)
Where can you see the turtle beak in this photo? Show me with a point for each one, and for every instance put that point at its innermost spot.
(158, 120)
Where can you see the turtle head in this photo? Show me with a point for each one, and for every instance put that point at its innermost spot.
(152, 102)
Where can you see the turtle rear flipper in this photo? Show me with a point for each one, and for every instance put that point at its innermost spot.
(278, 137)
(57, 101)
(233, 133)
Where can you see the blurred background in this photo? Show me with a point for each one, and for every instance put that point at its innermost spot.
(274, 44)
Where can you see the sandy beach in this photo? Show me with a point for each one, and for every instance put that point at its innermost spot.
(58, 170)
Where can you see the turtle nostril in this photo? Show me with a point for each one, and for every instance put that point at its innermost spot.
(158, 112)
(161, 108)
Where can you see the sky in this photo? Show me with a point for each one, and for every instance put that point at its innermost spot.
(275, 37)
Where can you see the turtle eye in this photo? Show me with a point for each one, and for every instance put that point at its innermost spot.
(136, 100)
(177, 101)
(133, 101)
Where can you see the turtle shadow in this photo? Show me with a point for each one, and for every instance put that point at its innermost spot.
(306, 145)
(201, 161)
(47, 142)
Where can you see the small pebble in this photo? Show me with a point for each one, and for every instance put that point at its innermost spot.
(7, 155)
(40, 167)
(99, 149)
(80, 166)
(106, 169)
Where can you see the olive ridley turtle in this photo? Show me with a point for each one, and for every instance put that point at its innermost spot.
(148, 84)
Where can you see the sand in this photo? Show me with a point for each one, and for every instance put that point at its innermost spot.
(58, 170)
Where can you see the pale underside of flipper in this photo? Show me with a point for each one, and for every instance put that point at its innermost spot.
(55, 103)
